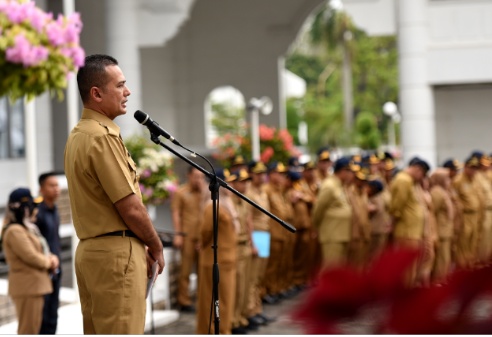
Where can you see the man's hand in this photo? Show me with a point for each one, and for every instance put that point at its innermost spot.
(151, 258)
(54, 262)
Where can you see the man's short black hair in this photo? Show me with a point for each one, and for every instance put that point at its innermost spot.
(93, 74)
(42, 177)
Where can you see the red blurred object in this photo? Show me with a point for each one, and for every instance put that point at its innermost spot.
(378, 300)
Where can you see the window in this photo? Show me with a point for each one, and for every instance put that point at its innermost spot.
(12, 133)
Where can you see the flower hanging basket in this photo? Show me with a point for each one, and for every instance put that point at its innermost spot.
(37, 52)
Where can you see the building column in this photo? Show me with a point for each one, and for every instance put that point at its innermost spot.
(122, 44)
(416, 95)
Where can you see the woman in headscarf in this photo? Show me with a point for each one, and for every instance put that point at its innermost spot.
(29, 259)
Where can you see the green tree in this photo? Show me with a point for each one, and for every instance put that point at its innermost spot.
(367, 134)
(227, 118)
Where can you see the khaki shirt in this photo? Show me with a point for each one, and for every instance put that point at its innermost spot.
(406, 208)
(380, 219)
(486, 188)
(190, 204)
(361, 227)
(280, 207)
(332, 213)
(302, 207)
(100, 172)
(441, 199)
(469, 193)
(242, 208)
(260, 219)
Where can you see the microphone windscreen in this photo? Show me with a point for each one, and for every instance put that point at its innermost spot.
(140, 116)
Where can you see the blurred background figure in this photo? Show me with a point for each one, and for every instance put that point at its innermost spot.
(30, 261)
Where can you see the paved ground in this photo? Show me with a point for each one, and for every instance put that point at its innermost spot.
(282, 326)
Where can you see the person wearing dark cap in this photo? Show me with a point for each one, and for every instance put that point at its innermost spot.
(379, 217)
(361, 228)
(454, 166)
(260, 223)
(228, 227)
(323, 165)
(469, 195)
(332, 214)
(279, 206)
(309, 187)
(238, 162)
(240, 319)
(30, 261)
(485, 224)
(406, 209)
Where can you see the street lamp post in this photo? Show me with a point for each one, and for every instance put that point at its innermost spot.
(390, 109)
(256, 106)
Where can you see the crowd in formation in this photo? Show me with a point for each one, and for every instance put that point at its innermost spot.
(345, 211)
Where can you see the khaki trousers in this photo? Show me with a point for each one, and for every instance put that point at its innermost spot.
(334, 254)
(485, 241)
(112, 279)
(359, 253)
(467, 241)
(274, 271)
(287, 268)
(189, 260)
(258, 268)
(242, 285)
(303, 257)
(411, 274)
(442, 266)
(227, 289)
(29, 310)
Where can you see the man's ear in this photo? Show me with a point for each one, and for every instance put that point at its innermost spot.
(95, 94)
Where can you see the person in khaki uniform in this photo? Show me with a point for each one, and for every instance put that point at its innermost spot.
(244, 252)
(279, 206)
(469, 195)
(407, 211)
(485, 226)
(112, 262)
(332, 215)
(361, 227)
(323, 165)
(259, 222)
(309, 187)
(379, 217)
(186, 207)
(228, 227)
(302, 200)
(440, 190)
(30, 262)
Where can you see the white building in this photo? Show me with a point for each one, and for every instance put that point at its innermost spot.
(175, 52)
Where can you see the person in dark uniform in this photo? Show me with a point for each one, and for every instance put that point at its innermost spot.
(48, 222)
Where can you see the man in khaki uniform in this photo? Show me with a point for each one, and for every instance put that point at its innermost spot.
(332, 215)
(279, 206)
(187, 208)
(407, 210)
(361, 227)
(243, 282)
(469, 195)
(379, 217)
(112, 263)
(485, 226)
(259, 222)
(323, 165)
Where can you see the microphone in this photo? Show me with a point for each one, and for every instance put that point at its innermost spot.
(153, 126)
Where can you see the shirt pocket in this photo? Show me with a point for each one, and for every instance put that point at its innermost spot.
(133, 170)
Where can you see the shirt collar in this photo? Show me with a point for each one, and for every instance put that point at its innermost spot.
(99, 117)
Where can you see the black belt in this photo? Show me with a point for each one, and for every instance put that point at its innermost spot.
(128, 233)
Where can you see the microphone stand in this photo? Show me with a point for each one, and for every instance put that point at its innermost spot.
(215, 184)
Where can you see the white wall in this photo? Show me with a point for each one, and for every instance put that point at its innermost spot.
(463, 120)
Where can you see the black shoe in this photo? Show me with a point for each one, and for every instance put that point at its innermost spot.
(239, 331)
(251, 326)
(266, 319)
(255, 321)
(270, 299)
(187, 308)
